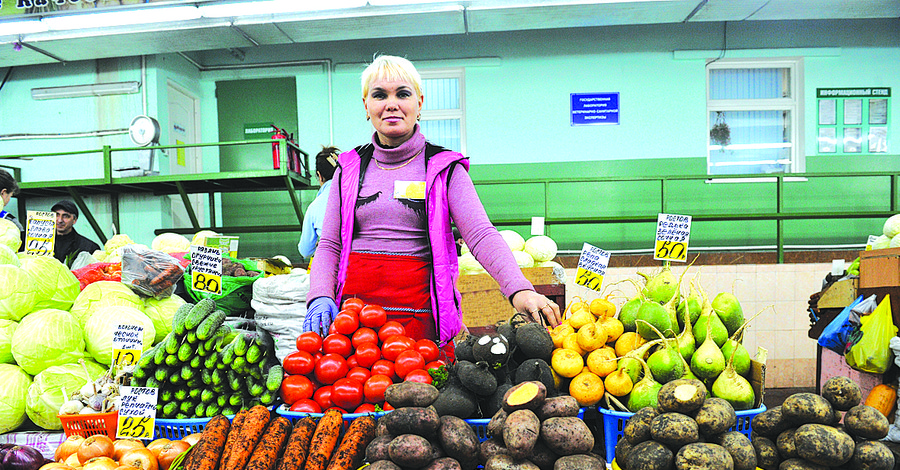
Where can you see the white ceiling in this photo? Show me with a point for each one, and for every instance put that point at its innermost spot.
(429, 18)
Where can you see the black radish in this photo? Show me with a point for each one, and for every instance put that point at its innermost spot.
(644, 393)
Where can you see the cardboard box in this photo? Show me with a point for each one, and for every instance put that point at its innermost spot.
(879, 268)
(758, 376)
(483, 303)
(839, 295)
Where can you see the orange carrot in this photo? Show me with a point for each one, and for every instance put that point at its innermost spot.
(232, 436)
(324, 440)
(353, 447)
(297, 447)
(269, 447)
(211, 444)
(251, 430)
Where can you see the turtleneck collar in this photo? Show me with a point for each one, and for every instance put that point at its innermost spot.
(400, 153)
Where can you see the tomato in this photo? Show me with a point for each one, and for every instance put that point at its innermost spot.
(306, 405)
(323, 397)
(299, 363)
(389, 329)
(364, 335)
(318, 355)
(296, 387)
(372, 316)
(408, 361)
(346, 322)
(354, 304)
(395, 345)
(337, 344)
(384, 367)
(367, 354)
(418, 375)
(428, 349)
(330, 368)
(387, 407)
(332, 330)
(347, 393)
(374, 388)
(365, 408)
(352, 362)
(435, 364)
(359, 373)
(310, 342)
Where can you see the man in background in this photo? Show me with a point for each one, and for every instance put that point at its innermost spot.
(69, 242)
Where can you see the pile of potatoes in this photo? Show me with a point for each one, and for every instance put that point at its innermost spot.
(685, 431)
(533, 432)
(806, 433)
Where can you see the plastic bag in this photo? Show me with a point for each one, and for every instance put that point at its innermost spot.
(837, 333)
(150, 273)
(873, 352)
(236, 290)
(98, 272)
(280, 305)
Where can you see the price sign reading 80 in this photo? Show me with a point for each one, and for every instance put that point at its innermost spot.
(206, 282)
(206, 269)
(592, 266)
(673, 233)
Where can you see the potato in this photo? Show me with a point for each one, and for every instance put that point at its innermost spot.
(649, 455)
(767, 456)
(637, 428)
(579, 462)
(525, 396)
(381, 427)
(785, 444)
(489, 447)
(674, 429)
(700, 455)
(842, 392)
(410, 451)
(378, 449)
(872, 455)
(495, 425)
(382, 465)
(769, 423)
(443, 463)
(459, 441)
(567, 436)
(409, 420)
(505, 462)
(411, 394)
(866, 422)
(799, 464)
(823, 444)
(804, 408)
(681, 396)
(542, 456)
(623, 448)
(741, 449)
(715, 416)
(520, 433)
(558, 407)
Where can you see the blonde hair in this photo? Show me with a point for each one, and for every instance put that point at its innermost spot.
(389, 67)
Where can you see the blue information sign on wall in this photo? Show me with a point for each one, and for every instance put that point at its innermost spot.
(595, 108)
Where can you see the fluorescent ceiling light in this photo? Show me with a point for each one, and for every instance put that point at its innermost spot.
(78, 91)
(121, 18)
(22, 27)
(272, 7)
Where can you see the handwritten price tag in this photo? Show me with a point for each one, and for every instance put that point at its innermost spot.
(40, 233)
(137, 413)
(206, 269)
(127, 344)
(592, 266)
(673, 232)
(871, 242)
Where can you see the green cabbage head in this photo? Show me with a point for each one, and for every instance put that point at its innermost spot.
(171, 243)
(513, 239)
(55, 285)
(17, 292)
(469, 265)
(53, 386)
(162, 312)
(47, 337)
(101, 294)
(99, 328)
(7, 328)
(541, 248)
(524, 260)
(7, 256)
(10, 235)
(12, 396)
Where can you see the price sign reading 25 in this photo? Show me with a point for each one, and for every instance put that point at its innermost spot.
(137, 412)
(135, 427)
(673, 233)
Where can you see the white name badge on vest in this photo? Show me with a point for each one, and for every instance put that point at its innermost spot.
(409, 190)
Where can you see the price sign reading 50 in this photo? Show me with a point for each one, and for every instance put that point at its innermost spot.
(592, 266)
(135, 427)
(588, 279)
(673, 233)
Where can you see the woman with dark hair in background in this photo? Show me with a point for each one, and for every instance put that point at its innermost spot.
(326, 162)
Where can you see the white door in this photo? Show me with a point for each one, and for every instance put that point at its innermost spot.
(184, 128)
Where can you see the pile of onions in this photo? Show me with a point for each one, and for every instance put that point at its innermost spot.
(14, 457)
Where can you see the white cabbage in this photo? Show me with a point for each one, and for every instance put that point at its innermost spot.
(7, 328)
(469, 265)
(881, 241)
(55, 385)
(12, 396)
(8, 256)
(99, 328)
(200, 237)
(55, 285)
(524, 260)
(892, 226)
(513, 239)
(10, 235)
(171, 243)
(101, 294)
(895, 242)
(17, 292)
(162, 312)
(541, 248)
(47, 337)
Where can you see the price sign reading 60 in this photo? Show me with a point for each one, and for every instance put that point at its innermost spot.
(673, 232)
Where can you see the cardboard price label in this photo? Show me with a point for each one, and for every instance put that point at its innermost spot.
(137, 412)
(40, 233)
(225, 244)
(206, 269)
(870, 243)
(592, 265)
(127, 344)
(673, 233)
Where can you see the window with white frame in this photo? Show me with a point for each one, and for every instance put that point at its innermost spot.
(754, 110)
(443, 113)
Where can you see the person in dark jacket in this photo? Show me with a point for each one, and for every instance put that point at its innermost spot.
(69, 242)
(8, 189)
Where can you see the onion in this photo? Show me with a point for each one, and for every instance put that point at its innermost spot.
(141, 459)
(23, 458)
(100, 463)
(72, 460)
(170, 452)
(67, 448)
(156, 445)
(56, 465)
(99, 445)
(192, 439)
(121, 446)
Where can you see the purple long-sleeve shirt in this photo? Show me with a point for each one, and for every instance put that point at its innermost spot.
(384, 223)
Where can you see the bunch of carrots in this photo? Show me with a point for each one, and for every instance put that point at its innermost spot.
(258, 441)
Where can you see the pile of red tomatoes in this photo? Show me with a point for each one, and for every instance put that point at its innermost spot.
(350, 368)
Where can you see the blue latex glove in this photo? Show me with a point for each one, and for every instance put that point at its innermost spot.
(319, 315)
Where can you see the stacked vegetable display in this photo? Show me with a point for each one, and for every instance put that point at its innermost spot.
(100, 452)
(204, 367)
(537, 251)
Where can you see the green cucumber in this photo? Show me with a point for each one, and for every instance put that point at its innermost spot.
(274, 378)
(198, 313)
(210, 325)
(180, 315)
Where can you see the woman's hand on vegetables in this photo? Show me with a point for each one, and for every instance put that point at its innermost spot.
(319, 315)
(536, 305)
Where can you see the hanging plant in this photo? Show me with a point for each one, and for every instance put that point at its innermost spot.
(720, 132)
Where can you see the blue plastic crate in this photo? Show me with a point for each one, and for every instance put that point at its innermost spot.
(174, 429)
(295, 416)
(614, 425)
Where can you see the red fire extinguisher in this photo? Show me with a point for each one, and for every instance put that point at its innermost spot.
(276, 150)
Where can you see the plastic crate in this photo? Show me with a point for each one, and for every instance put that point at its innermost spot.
(174, 429)
(295, 416)
(90, 425)
(614, 424)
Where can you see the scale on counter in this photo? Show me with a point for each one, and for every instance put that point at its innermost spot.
(144, 132)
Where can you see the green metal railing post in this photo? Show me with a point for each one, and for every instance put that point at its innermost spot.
(779, 205)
